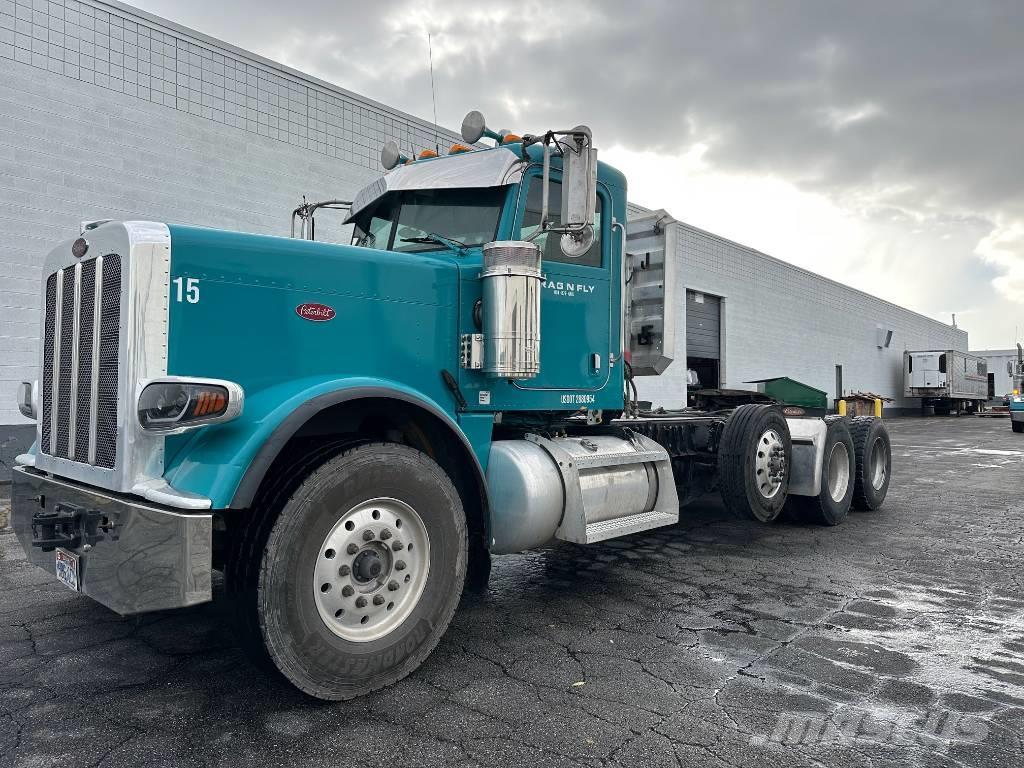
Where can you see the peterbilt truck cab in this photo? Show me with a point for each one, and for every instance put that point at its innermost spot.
(349, 431)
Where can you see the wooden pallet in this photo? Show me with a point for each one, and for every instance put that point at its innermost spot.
(996, 414)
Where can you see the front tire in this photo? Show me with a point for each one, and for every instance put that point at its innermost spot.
(362, 571)
(753, 462)
(1017, 426)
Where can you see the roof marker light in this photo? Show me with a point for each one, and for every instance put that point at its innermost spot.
(427, 153)
(458, 149)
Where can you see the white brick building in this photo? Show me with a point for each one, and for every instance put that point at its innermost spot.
(776, 319)
(999, 380)
(110, 112)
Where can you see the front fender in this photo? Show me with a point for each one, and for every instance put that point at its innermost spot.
(226, 462)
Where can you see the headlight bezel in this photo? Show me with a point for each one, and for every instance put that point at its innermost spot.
(200, 408)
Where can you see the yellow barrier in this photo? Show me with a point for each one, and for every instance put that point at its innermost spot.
(842, 408)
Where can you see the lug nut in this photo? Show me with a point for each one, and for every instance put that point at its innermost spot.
(398, 546)
(361, 602)
(344, 570)
(392, 586)
(347, 590)
(378, 599)
(400, 565)
(385, 535)
(352, 548)
(367, 535)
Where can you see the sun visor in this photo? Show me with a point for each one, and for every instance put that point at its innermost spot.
(468, 170)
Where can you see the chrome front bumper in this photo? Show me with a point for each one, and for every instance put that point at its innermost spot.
(133, 557)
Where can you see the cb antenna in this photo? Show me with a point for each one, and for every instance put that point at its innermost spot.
(433, 96)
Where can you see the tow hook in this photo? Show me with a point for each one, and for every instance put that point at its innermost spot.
(70, 526)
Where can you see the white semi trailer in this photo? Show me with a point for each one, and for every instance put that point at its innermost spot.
(946, 380)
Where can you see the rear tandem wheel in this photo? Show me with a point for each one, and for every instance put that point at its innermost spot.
(838, 467)
(753, 462)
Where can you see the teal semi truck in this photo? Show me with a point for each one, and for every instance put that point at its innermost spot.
(349, 431)
(1015, 369)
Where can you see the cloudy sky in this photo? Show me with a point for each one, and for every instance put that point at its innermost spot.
(878, 143)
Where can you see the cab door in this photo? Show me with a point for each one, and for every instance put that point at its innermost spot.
(576, 308)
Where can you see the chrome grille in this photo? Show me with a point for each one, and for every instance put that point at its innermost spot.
(62, 367)
(86, 318)
(109, 330)
(44, 424)
(80, 362)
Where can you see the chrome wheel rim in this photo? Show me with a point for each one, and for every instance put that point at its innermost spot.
(769, 464)
(371, 569)
(838, 471)
(877, 464)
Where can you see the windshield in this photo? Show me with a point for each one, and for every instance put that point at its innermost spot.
(467, 216)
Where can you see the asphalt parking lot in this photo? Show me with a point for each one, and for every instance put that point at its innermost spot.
(894, 639)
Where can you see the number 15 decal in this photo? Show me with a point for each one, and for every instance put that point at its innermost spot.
(188, 289)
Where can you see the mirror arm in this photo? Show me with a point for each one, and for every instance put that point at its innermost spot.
(544, 211)
(582, 136)
(545, 183)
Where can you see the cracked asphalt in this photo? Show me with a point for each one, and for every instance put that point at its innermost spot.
(894, 639)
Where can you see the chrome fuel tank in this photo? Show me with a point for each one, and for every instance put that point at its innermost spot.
(579, 489)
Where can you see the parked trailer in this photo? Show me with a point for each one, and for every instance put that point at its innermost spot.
(946, 380)
(349, 432)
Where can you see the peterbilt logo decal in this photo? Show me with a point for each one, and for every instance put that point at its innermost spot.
(318, 313)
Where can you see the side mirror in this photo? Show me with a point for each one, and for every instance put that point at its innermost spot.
(579, 191)
(1009, 367)
(579, 187)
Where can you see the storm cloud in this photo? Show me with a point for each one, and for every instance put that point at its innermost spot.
(905, 116)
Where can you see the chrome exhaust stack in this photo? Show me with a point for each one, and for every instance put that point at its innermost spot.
(511, 288)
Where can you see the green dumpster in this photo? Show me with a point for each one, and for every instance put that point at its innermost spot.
(792, 392)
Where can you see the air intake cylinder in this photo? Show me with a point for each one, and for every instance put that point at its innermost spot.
(511, 288)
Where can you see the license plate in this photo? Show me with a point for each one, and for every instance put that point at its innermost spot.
(67, 568)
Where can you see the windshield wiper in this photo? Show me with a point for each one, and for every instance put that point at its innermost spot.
(432, 237)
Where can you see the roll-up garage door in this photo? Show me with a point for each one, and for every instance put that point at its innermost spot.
(703, 325)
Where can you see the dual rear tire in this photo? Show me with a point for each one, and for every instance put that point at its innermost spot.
(873, 452)
(855, 472)
(838, 469)
(754, 457)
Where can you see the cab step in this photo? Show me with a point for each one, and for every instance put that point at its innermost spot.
(623, 526)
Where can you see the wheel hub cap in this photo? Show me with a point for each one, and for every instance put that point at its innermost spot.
(371, 569)
(367, 566)
(838, 472)
(770, 463)
(879, 458)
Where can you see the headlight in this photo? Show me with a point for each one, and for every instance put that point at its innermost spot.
(27, 403)
(176, 404)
